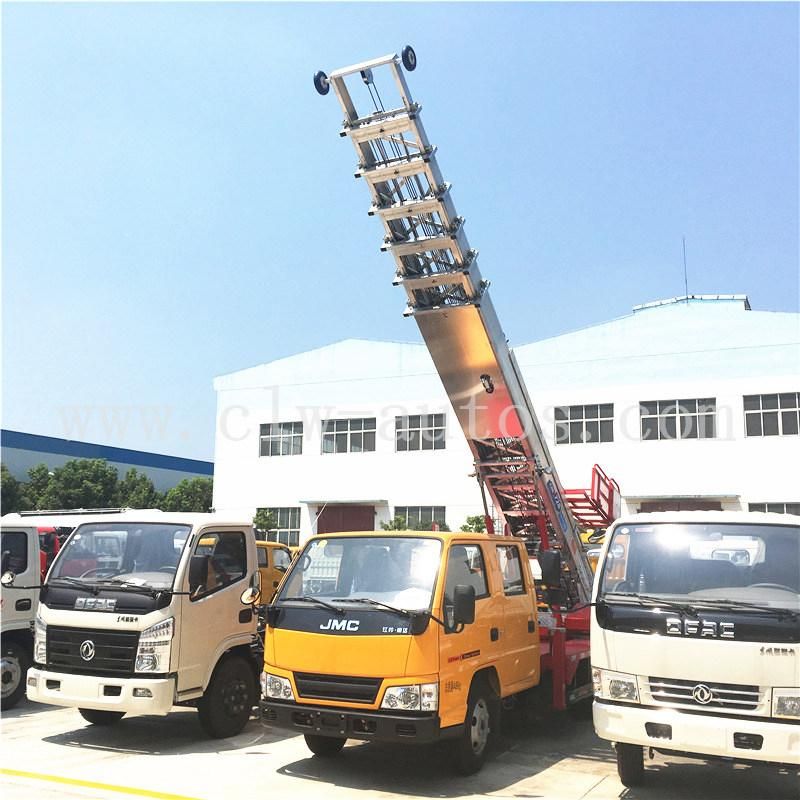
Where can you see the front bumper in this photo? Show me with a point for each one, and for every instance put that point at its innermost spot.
(104, 694)
(699, 734)
(368, 725)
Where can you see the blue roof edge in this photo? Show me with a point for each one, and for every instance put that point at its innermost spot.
(70, 447)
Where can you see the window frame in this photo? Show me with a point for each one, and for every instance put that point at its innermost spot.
(349, 428)
(779, 410)
(280, 437)
(289, 514)
(523, 589)
(194, 597)
(788, 507)
(486, 581)
(566, 417)
(25, 549)
(429, 428)
(676, 412)
(441, 519)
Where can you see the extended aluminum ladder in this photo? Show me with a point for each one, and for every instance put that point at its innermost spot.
(450, 302)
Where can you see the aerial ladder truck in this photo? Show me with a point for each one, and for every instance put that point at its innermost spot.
(449, 299)
(420, 637)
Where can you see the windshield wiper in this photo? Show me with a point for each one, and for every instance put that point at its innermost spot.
(124, 585)
(651, 600)
(306, 599)
(723, 603)
(404, 612)
(378, 604)
(89, 587)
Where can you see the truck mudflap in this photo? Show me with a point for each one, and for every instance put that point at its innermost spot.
(368, 725)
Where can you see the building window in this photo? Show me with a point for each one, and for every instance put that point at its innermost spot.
(584, 424)
(348, 435)
(421, 517)
(678, 419)
(281, 439)
(419, 432)
(771, 414)
(287, 530)
(776, 508)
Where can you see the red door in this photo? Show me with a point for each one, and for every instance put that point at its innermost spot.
(337, 519)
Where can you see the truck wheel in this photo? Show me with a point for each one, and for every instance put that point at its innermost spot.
(630, 764)
(14, 669)
(480, 725)
(97, 717)
(324, 746)
(225, 707)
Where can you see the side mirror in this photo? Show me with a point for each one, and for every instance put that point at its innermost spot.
(250, 596)
(550, 562)
(463, 605)
(7, 579)
(198, 572)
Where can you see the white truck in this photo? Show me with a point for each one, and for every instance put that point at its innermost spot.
(695, 638)
(19, 545)
(164, 617)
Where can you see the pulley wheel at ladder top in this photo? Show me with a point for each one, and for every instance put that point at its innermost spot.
(409, 58)
(321, 82)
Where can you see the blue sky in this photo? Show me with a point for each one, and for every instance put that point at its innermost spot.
(177, 203)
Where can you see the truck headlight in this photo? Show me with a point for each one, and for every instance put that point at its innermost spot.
(275, 687)
(416, 697)
(154, 646)
(786, 703)
(618, 686)
(39, 640)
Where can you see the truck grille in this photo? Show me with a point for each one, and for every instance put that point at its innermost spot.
(114, 651)
(724, 696)
(336, 687)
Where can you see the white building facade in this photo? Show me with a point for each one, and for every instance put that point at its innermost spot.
(687, 403)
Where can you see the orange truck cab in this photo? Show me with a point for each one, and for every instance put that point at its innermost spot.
(273, 561)
(403, 636)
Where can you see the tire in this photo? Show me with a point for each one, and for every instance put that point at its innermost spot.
(630, 764)
(225, 707)
(324, 746)
(480, 726)
(15, 664)
(96, 717)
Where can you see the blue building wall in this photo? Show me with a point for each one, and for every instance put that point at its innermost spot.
(21, 451)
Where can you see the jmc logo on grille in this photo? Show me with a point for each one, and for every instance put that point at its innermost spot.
(702, 628)
(96, 603)
(340, 625)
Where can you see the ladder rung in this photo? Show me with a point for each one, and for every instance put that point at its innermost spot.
(413, 208)
(400, 121)
(425, 245)
(398, 169)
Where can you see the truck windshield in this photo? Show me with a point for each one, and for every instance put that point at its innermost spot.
(752, 564)
(399, 571)
(130, 553)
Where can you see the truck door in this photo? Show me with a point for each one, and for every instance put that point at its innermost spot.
(212, 612)
(20, 555)
(478, 644)
(519, 659)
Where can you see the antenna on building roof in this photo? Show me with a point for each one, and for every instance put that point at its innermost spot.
(685, 277)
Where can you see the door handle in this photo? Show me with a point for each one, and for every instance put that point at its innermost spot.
(531, 626)
(23, 605)
(494, 634)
